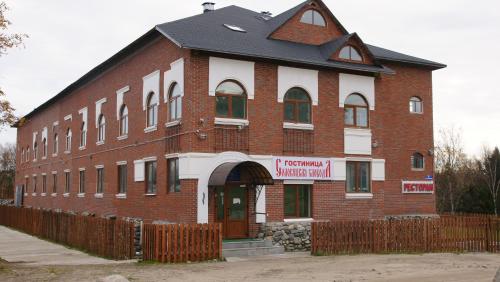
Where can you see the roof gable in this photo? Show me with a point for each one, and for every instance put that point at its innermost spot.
(331, 50)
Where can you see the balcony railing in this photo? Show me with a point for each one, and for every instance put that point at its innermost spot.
(173, 139)
(298, 142)
(231, 138)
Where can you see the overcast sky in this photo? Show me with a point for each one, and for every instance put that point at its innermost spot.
(68, 38)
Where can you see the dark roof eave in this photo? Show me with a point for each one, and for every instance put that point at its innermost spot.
(350, 67)
(433, 66)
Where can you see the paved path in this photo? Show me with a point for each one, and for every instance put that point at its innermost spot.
(17, 247)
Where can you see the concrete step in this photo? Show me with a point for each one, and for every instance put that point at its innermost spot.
(246, 244)
(255, 251)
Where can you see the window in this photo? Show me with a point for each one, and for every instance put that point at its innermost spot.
(416, 105)
(22, 156)
(174, 183)
(122, 179)
(34, 184)
(417, 161)
(298, 201)
(68, 140)
(358, 177)
(55, 149)
(67, 181)
(54, 183)
(27, 185)
(100, 181)
(124, 121)
(230, 100)
(356, 111)
(44, 184)
(150, 178)
(81, 187)
(35, 151)
(175, 102)
(152, 110)
(44, 149)
(83, 136)
(101, 130)
(313, 17)
(350, 53)
(28, 154)
(297, 106)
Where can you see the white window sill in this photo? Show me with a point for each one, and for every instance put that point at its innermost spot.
(173, 123)
(43, 194)
(150, 129)
(81, 195)
(99, 143)
(67, 152)
(298, 220)
(44, 158)
(302, 126)
(99, 195)
(231, 121)
(418, 169)
(54, 155)
(82, 148)
(33, 194)
(34, 160)
(66, 195)
(25, 194)
(358, 196)
(121, 196)
(53, 194)
(150, 195)
(123, 137)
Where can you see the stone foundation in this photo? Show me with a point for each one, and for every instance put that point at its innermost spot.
(293, 236)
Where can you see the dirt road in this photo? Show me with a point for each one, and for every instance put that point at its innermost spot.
(429, 267)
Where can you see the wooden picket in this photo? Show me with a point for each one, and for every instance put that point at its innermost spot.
(104, 237)
(180, 243)
(445, 234)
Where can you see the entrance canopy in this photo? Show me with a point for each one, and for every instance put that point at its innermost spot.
(259, 175)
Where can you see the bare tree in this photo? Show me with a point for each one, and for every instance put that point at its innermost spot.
(490, 168)
(451, 162)
(7, 170)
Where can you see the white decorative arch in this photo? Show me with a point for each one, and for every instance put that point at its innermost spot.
(151, 84)
(289, 78)
(174, 75)
(363, 85)
(225, 69)
(119, 100)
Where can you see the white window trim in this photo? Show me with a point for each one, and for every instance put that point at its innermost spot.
(54, 155)
(53, 194)
(232, 121)
(122, 137)
(150, 195)
(306, 219)
(68, 117)
(81, 169)
(81, 148)
(99, 166)
(358, 196)
(298, 182)
(121, 196)
(150, 159)
(81, 195)
(121, 163)
(99, 143)
(66, 195)
(43, 194)
(99, 195)
(54, 172)
(33, 194)
(173, 123)
(172, 156)
(302, 126)
(67, 152)
(150, 129)
(67, 170)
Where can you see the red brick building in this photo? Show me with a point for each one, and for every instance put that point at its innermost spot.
(242, 118)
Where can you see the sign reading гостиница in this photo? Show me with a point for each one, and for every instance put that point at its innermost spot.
(299, 168)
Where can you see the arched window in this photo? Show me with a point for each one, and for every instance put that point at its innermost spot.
(175, 102)
(83, 135)
(35, 151)
(55, 150)
(68, 140)
(28, 154)
(356, 111)
(230, 100)
(350, 53)
(297, 106)
(22, 156)
(152, 108)
(417, 161)
(101, 129)
(313, 17)
(416, 105)
(44, 149)
(123, 120)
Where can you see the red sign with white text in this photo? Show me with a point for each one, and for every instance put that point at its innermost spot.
(297, 168)
(418, 187)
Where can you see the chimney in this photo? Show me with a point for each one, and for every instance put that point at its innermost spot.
(266, 15)
(208, 7)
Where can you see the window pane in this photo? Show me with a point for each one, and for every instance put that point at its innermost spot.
(418, 107)
(351, 178)
(172, 110)
(122, 178)
(221, 106)
(348, 116)
(238, 106)
(304, 113)
(355, 56)
(290, 112)
(362, 117)
(179, 108)
(219, 193)
(364, 174)
(318, 19)
(305, 201)
(230, 87)
(296, 94)
(344, 53)
(176, 91)
(290, 201)
(355, 100)
(307, 17)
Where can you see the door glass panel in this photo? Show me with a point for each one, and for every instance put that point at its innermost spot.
(304, 200)
(237, 203)
(290, 201)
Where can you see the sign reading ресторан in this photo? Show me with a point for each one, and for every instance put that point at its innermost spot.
(418, 187)
(299, 168)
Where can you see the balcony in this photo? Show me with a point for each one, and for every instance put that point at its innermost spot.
(231, 138)
(298, 142)
(173, 139)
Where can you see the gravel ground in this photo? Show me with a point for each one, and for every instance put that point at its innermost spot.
(297, 267)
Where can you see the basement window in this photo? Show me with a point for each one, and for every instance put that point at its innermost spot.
(234, 28)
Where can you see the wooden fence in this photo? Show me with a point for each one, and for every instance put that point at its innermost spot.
(103, 237)
(176, 243)
(444, 234)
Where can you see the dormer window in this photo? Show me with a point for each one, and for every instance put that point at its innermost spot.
(350, 53)
(313, 17)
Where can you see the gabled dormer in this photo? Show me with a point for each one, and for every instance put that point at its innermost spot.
(350, 49)
(311, 22)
